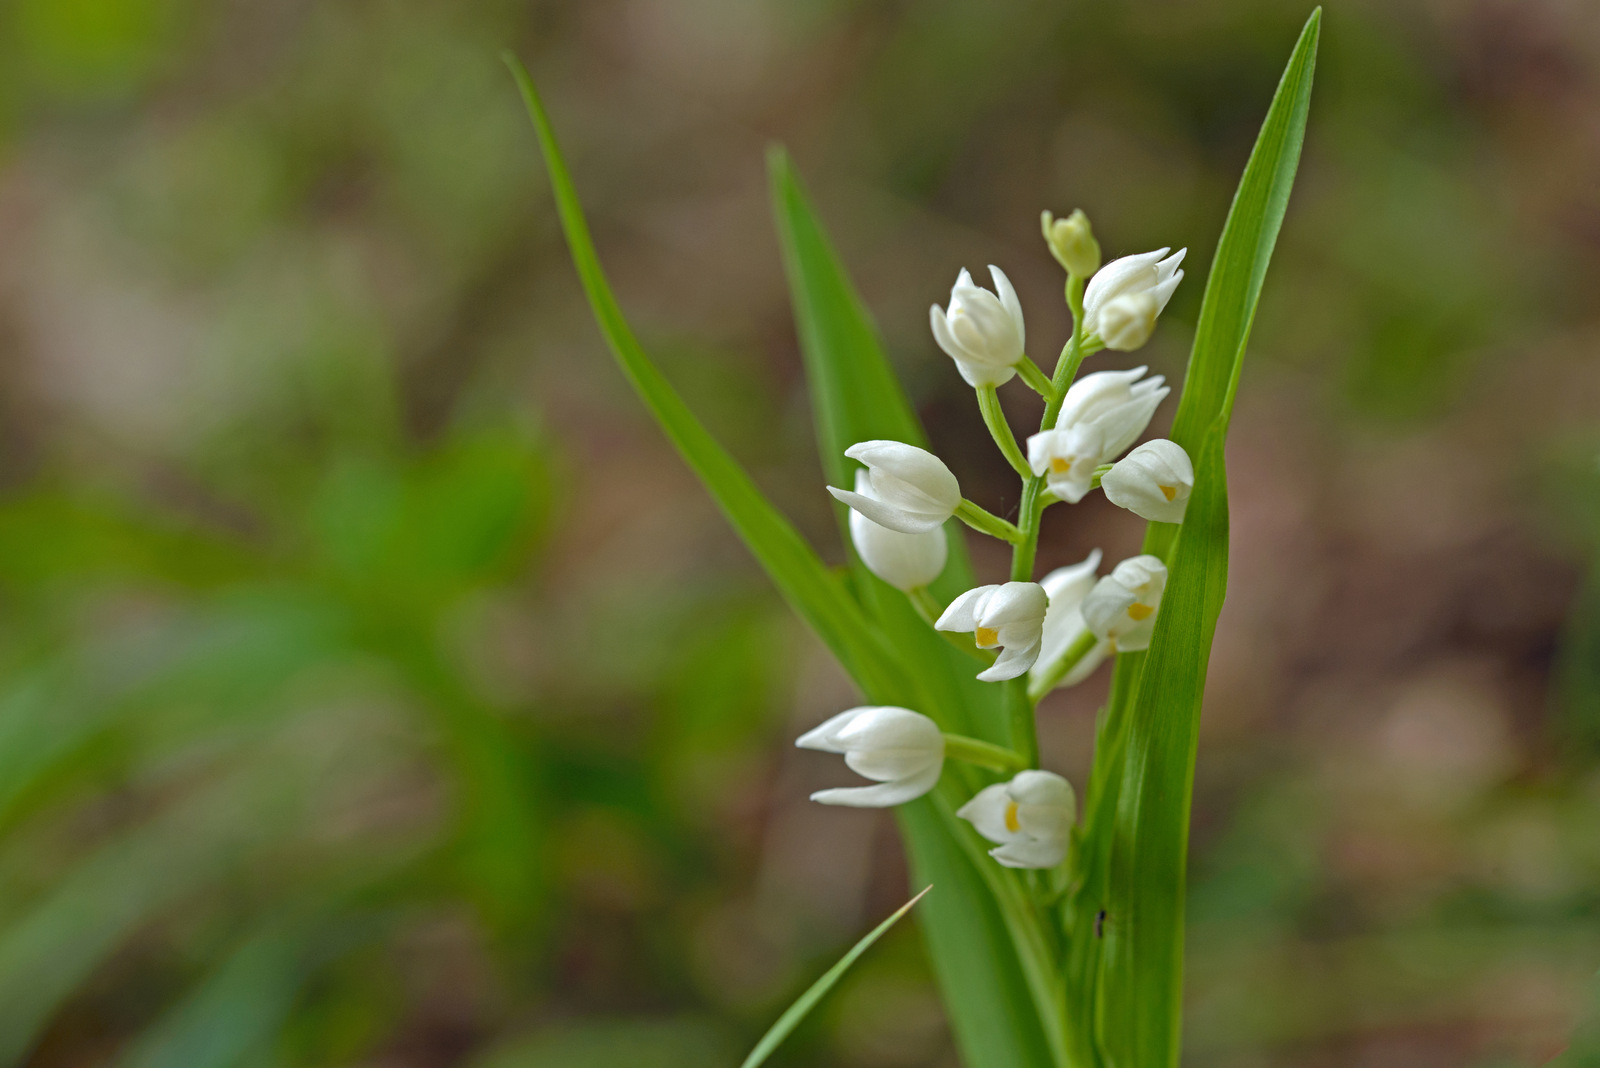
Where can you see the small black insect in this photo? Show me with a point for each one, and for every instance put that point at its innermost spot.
(1100, 924)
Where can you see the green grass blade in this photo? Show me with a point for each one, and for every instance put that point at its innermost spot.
(234, 1014)
(1143, 933)
(994, 1001)
(856, 397)
(1140, 835)
(808, 1001)
(1243, 254)
(810, 588)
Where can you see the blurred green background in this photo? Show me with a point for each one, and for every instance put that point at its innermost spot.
(376, 687)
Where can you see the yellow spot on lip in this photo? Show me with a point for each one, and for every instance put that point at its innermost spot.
(1137, 612)
(1168, 492)
(1011, 818)
(986, 636)
(1060, 465)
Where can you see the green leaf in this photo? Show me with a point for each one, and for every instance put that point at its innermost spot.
(995, 1010)
(236, 1013)
(808, 1001)
(805, 582)
(1143, 932)
(1243, 254)
(1154, 718)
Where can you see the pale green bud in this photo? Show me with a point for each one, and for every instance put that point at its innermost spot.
(1072, 242)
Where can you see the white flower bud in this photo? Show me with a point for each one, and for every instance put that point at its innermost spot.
(1031, 817)
(982, 331)
(1127, 322)
(904, 561)
(1072, 242)
(1063, 622)
(1009, 617)
(1102, 414)
(1131, 275)
(907, 489)
(1153, 481)
(1122, 606)
(902, 750)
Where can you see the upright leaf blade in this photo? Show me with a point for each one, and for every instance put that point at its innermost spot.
(1157, 719)
(1143, 934)
(811, 589)
(993, 1007)
(815, 992)
(1243, 254)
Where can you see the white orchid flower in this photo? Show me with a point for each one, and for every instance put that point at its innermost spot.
(904, 561)
(1103, 413)
(1121, 608)
(1153, 481)
(1145, 274)
(902, 750)
(1009, 617)
(982, 331)
(1031, 818)
(1064, 625)
(908, 489)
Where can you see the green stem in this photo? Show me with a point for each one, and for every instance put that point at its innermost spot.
(994, 417)
(987, 522)
(984, 754)
(1065, 663)
(1023, 550)
(1071, 356)
(1019, 710)
(1036, 379)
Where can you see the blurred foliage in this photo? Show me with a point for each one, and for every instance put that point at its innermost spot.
(376, 688)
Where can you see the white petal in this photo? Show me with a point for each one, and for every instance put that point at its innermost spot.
(883, 795)
(1066, 586)
(885, 515)
(904, 561)
(1009, 301)
(1040, 790)
(987, 812)
(918, 468)
(825, 736)
(1014, 602)
(1094, 393)
(962, 615)
(1030, 853)
(942, 335)
(1013, 662)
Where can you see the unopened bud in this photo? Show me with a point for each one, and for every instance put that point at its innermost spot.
(1072, 242)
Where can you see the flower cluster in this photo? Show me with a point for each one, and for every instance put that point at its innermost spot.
(1044, 634)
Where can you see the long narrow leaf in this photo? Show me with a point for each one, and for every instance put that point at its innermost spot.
(1239, 267)
(1143, 934)
(986, 947)
(805, 582)
(1156, 721)
(814, 993)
